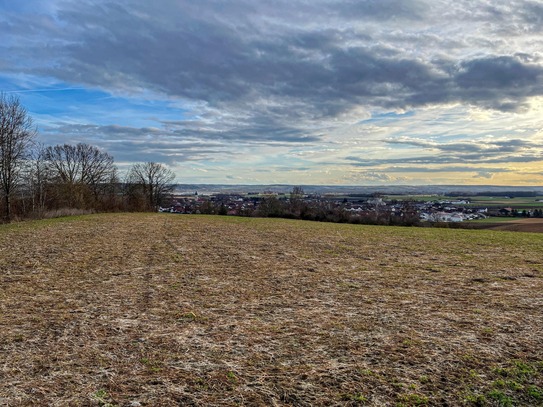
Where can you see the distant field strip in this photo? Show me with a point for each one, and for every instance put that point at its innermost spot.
(167, 310)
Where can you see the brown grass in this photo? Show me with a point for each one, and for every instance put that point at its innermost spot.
(166, 310)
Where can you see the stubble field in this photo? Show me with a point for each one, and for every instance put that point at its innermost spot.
(166, 310)
(533, 225)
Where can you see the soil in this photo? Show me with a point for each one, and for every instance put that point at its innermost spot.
(534, 225)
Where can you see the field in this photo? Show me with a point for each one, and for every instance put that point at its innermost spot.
(533, 225)
(518, 203)
(167, 310)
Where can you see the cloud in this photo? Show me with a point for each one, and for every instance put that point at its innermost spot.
(476, 151)
(477, 146)
(370, 177)
(131, 144)
(499, 82)
(249, 75)
(238, 56)
(484, 174)
(445, 168)
(384, 10)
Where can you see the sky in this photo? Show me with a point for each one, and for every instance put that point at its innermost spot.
(333, 92)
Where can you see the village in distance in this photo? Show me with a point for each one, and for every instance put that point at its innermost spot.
(459, 206)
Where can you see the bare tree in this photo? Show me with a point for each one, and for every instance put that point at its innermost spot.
(296, 201)
(37, 178)
(97, 169)
(154, 180)
(16, 136)
(81, 171)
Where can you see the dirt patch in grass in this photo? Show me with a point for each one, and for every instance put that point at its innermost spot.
(534, 225)
(148, 310)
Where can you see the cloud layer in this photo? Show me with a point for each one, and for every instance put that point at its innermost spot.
(266, 75)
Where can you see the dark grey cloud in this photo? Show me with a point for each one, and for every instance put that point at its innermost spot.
(483, 152)
(383, 10)
(311, 70)
(235, 54)
(533, 15)
(175, 142)
(499, 82)
(470, 147)
(128, 144)
(185, 131)
(473, 148)
(255, 134)
(108, 131)
(443, 159)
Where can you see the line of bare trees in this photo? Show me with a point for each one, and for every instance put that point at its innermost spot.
(36, 179)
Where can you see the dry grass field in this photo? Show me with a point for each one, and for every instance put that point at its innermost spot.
(166, 310)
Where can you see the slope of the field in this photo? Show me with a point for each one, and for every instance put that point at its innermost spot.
(534, 225)
(166, 310)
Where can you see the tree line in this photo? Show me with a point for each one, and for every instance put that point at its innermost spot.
(296, 206)
(36, 179)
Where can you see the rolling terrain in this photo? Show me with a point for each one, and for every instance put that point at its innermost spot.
(533, 225)
(158, 309)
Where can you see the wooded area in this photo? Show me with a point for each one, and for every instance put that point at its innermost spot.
(37, 180)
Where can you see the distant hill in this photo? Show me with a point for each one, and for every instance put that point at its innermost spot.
(363, 190)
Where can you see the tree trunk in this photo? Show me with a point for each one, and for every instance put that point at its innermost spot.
(7, 199)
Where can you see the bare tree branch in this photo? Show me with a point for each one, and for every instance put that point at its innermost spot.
(16, 136)
(154, 179)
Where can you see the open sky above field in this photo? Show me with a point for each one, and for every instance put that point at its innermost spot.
(299, 92)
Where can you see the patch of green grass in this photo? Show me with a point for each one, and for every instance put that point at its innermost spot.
(476, 400)
(535, 392)
(232, 377)
(413, 400)
(356, 397)
(513, 383)
(367, 372)
(103, 398)
(153, 366)
(519, 370)
(424, 379)
(500, 398)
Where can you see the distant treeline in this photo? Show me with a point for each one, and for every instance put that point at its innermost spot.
(67, 179)
(40, 181)
(509, 194)
(295, 206)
